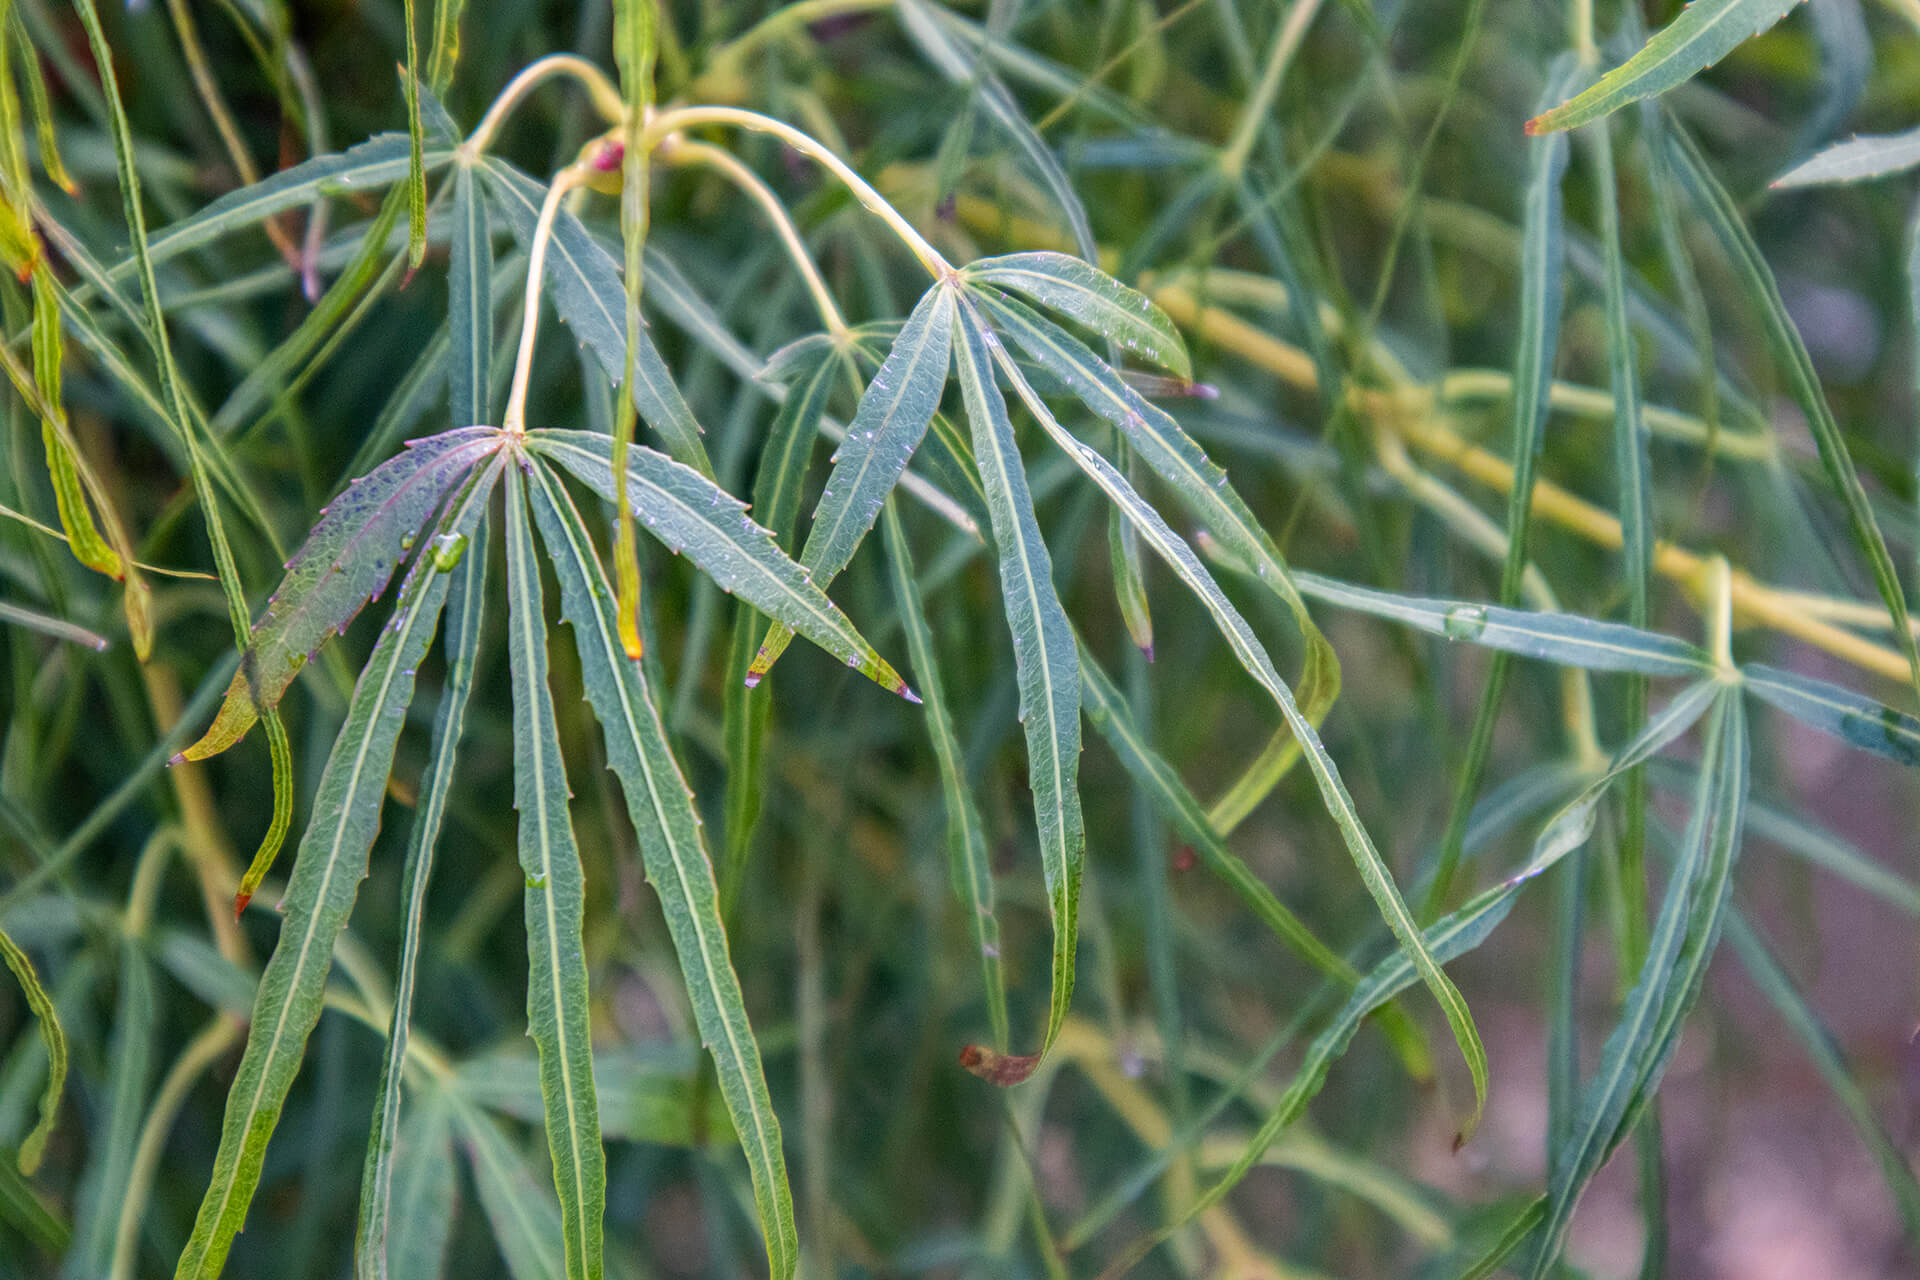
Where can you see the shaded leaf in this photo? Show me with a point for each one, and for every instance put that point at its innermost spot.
(1856, 159)
(1843, 713)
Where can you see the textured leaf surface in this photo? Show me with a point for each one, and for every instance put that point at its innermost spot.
(320, 894)
(362, 536)
(464, 604)
(674, 852)
(1046, 666)
(469, 304)
(1703, 33)
(1089, 297)
(1846, 715)
(886, 429)
(689, 513)
(557, 1012)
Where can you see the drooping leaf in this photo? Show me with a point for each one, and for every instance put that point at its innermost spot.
(361, 538)
(687, 512)
(647, 1093)
(1722, 216)
(465, 600)
(59, 628)
(557, 1016)
(1846, 715)
(320, 894)
(885, 430)
(778, 483)
(54, 1037)
(967, 865)
(1680, 945)
(1562, 639)
(1253, 659)
(674, 853)
(1047, 669)
(1090, 298)
(1107, 712)
(378, 162)
(1209, 497)
(1703, 33)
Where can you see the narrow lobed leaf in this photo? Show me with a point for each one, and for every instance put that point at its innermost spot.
(1091, 298)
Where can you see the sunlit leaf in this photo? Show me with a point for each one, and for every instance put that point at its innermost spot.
(1091, 298)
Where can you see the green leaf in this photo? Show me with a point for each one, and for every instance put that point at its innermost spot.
(1563, 639)
(583, 280)
(557, 1013)
(54, 1037)
(1107, 711)
(886, 429)
(1680, 945)
(425, 1197)
(646, 1091)
(778, 484)
(1447, 938)
(1803, 382)
(1704, 32)
(1253, 659)
(1090, 298)
(520, 1209)
(470, 304)
(688, 512)
(1209, 497)
(136, 1019)
(1855, 160)
(967, 864)
(361, 538)
(1047, 669)
(326, 877)
(465, 601)
(378, 162)
(674, 853)
(416, 149)
(1843, 713)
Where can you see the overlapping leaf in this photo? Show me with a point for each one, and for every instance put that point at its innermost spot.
(689, 513)
(361, 538)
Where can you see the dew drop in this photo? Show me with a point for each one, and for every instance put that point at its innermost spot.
(1465, 622)
(448, 548)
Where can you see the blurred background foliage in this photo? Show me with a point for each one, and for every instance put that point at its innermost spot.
(1387, 182)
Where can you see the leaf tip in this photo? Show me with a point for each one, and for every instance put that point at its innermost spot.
(1003, 1069)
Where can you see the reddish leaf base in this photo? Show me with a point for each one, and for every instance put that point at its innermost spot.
(994, 1067)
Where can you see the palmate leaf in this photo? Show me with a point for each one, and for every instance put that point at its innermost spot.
(1856, 160)
(361, 538)
(1208, 496)
(584, 282)
(464, 604)
(674, 852)
(1091, 298)
(689, 513)
(326, 877)
(1046, 668)
(1253, 659)
(1704, 32)
(887, 427)
(557, 1013)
